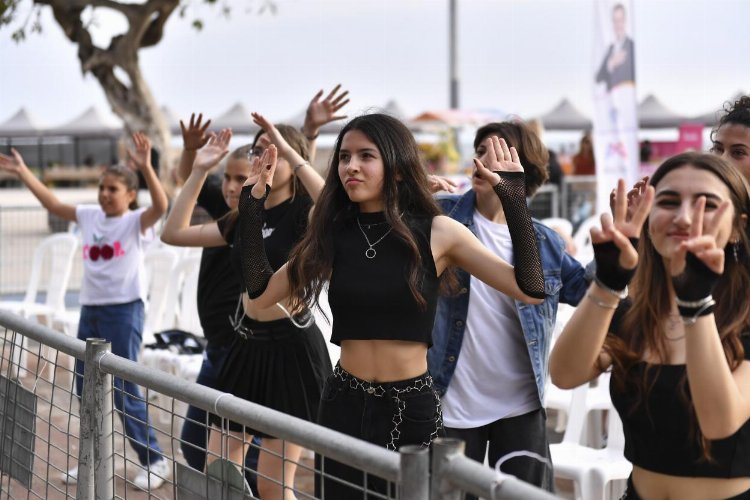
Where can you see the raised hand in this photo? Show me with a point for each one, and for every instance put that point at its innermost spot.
(12, 164)
(194, 135)
(438, 183)
(214, 151)
(622, 228)
(321, 112)
(701, 241)
(633, 196)
(262, 171)
(500, 159)
(140, 159)
(272, 132)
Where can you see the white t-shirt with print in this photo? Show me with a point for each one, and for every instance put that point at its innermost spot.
(112, 256)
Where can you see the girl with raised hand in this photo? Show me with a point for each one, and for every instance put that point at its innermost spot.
(490, 357)
(678, 346)
(276, 359)
(377, 235)
(114, 234)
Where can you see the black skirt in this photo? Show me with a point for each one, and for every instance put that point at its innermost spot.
(277, 365)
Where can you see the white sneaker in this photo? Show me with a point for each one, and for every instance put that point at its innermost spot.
(153, 476)
(70, 477)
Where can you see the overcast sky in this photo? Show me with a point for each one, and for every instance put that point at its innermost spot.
(520, 56)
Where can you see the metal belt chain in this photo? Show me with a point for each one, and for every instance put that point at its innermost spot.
(379, 391)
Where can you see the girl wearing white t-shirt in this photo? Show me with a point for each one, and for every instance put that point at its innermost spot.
(113, 236)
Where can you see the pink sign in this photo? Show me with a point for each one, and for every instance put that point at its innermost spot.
(691, 137)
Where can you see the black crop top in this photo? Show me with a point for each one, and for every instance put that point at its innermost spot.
(370, 298)
(283, 226)
(658, 439)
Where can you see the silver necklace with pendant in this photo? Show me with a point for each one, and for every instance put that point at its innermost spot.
(370, 253)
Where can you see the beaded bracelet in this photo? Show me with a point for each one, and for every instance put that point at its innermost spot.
(620, 294)
(600, 303)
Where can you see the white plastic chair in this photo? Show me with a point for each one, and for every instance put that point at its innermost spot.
(582, 239)
(591, 469)
(159, 265)
(597, 400)
(58, 250)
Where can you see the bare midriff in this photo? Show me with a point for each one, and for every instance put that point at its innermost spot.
(384, 360)
(653, 485)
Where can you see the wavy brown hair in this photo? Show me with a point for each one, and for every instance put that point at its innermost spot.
(642, 327)
(405, 191)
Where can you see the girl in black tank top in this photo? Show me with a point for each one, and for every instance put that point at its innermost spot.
(376, 234)
(679, 345)
(281, 364)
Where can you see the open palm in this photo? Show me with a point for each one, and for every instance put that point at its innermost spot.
(321, 112)
(214, 151)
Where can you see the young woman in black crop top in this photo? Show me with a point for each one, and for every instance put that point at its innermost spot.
(679, 345)
(274, 360)
(377, 235)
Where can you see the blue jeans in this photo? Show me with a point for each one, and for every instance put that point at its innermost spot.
(122, 326)
(194, 431)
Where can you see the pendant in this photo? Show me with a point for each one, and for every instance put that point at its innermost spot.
(370, 253)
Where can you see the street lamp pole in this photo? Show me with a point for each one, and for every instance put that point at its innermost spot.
(453, 54)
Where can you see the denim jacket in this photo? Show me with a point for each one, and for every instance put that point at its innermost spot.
(564, 281)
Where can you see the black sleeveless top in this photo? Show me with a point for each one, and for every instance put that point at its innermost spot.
(283, 226)
(370, 299)
(657, 438)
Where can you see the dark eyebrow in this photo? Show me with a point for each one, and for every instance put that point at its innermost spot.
(708, 196)
(739, 144)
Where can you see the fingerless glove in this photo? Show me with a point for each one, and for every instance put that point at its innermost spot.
(528, 265)
(608, 270)
(256, 271)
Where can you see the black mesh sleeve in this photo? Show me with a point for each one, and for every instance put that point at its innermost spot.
(528, 264)
(256, 271)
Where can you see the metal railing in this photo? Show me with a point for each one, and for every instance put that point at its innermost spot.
(38, 432)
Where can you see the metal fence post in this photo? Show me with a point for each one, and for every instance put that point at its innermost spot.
(95, 457)
(443, 449)
(415, 473)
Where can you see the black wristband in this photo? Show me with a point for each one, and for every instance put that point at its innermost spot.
(696, 282)
(608, 269)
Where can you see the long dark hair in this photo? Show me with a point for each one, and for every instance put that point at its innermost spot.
(405, 191)
(642, 325)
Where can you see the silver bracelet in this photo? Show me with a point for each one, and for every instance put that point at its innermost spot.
(692, 320)
(297, 167)
(694, 303)
(620, 294)
(600, 303)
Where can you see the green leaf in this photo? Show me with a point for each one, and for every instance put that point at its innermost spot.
(198, 24)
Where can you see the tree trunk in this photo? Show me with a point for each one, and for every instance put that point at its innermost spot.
(132, 101)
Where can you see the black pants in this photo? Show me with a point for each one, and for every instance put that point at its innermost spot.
(525, 432)
(390, 414)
